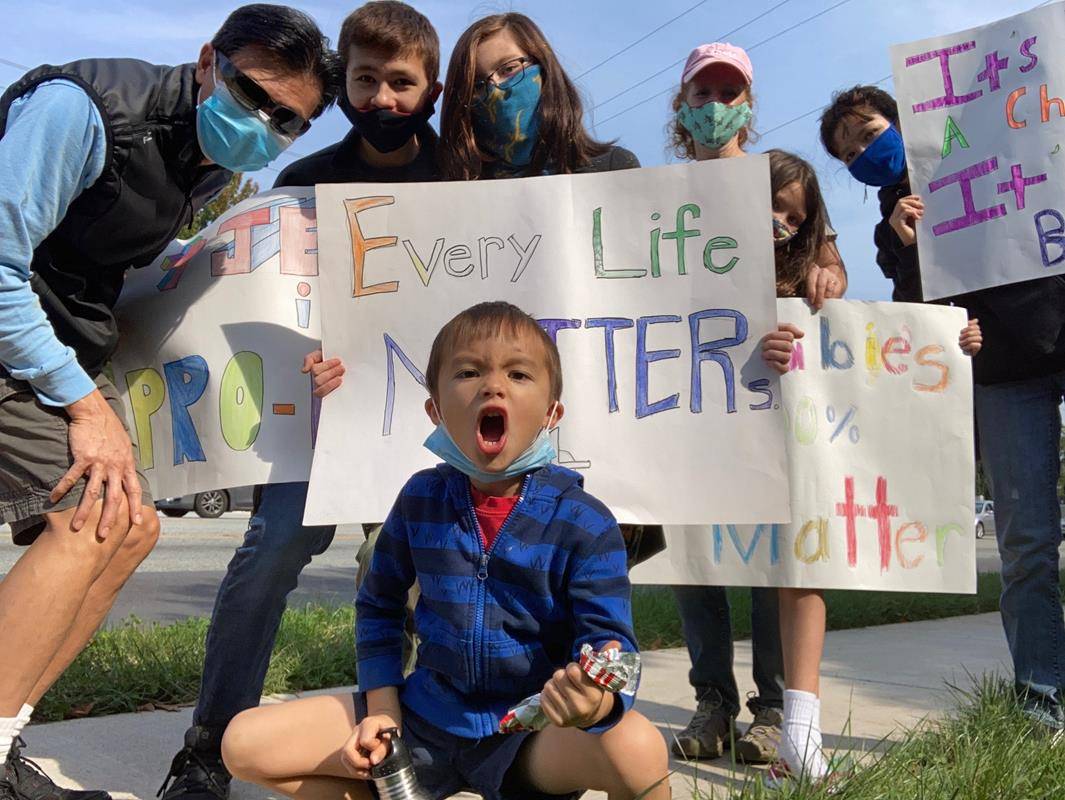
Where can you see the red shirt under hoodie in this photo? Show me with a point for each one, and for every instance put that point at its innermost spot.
(491, 513)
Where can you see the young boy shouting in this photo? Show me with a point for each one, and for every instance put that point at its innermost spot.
(519, 568)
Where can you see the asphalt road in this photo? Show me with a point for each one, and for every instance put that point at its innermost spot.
(181, 576)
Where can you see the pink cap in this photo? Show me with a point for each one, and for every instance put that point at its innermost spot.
(719, 52)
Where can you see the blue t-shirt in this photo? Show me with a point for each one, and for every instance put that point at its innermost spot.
(53, 148)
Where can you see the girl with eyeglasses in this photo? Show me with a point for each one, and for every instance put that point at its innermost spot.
(510, 110)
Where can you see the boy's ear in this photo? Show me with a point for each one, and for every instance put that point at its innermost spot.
(430, 409)
(434, 93)
(554, 416)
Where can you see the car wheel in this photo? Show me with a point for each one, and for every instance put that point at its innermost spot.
(211, 505)
(979, 530)
(175, 512)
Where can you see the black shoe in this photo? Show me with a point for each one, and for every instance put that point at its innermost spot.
(198, 772)
(27, 781)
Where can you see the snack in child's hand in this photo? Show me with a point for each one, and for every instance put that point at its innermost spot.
(612, 669)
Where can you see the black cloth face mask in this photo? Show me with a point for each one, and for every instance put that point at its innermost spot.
(386, 131)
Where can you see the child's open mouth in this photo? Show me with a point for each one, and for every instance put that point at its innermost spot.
(492, 431)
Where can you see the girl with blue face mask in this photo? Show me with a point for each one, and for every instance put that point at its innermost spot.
(510, 110)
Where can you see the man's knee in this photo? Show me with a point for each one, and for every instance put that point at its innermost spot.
(86, 546)
(139, 542)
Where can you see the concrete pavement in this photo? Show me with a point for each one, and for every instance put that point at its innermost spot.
(874, 681)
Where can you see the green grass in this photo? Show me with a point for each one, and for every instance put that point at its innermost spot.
(984, 749)
(137, 665)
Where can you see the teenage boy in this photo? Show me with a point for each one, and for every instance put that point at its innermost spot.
(519, 567)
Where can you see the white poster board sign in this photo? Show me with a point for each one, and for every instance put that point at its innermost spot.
(657, 284)
(880, 453)
(983, 116)
(213, 337)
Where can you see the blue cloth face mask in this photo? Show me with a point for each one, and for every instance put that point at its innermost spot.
(233, 136)
(714, 124)
(883, 162)
(539, 453)
(506, 123)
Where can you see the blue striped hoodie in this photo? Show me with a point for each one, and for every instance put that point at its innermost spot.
(494, 625)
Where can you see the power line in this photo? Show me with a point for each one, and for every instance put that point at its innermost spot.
(752, 47)
(646, 36)
(677, 63)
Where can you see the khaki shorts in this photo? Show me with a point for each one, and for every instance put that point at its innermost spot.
(35, 455)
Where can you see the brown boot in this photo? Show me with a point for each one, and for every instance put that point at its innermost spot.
(759, 744)
(710, 733)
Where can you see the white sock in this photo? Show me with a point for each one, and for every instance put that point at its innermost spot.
(800, 741)
(8, 731)
(24, 715)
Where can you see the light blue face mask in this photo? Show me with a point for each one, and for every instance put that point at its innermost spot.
(233, 136)
(538, 454)
(714, 124)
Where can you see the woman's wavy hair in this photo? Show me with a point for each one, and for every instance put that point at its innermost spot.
(794, 259)
(564, 144)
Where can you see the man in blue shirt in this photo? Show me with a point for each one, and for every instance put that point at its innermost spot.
(102, 162)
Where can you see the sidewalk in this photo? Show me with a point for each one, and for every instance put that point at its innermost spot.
(874, 681)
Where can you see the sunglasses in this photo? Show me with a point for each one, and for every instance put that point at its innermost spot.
(255, 98)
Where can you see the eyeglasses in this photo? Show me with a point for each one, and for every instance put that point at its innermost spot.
(255, 98)
(512, 73)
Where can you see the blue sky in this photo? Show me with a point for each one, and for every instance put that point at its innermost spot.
(795, 73)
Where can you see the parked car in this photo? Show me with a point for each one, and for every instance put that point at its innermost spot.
(210, 504)
(985, 518)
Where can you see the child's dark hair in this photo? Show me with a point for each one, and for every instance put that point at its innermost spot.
(858, 101)
(289, 40)
(393, 27)
(564, 143)
(793, 259)
(485, 320)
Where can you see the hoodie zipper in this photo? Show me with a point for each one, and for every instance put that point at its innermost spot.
(482, 577)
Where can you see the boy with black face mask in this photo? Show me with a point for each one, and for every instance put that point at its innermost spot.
(391, 57)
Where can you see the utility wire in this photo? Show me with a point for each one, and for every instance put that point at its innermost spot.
(677, 63)
(752, 47)
(643, 38)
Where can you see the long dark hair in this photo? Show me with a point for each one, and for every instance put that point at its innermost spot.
(564, 145)
(794, 259)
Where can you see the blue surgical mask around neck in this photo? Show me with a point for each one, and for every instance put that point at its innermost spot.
(233, 136)
(883, 162)
(539, 453)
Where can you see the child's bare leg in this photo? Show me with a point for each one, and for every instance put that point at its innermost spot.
(294, 748)
(623, 762)
(802, 637)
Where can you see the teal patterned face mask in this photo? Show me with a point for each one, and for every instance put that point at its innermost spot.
(714, 124)
(506, 123)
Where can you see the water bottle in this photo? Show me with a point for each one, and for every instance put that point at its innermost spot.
(394, 777)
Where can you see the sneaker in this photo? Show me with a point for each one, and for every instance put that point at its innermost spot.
(198, 772)
(759, 744)
(779, 777)
(710, 733)
(25, 780)
(1042, 710)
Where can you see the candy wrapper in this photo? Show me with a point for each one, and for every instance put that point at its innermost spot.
(612, 669)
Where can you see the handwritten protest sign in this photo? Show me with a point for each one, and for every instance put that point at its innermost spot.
(657, 285)
(214, 333)
(983, 115)
(880, 453)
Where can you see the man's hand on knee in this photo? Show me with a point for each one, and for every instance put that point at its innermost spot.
(103, 454)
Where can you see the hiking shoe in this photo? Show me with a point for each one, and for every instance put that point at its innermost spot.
(1042, 710)
(25, 780)
(780, 777)
(710, 733)
(198, 772)
(759, 744)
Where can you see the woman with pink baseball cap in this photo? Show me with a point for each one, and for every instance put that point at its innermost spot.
(713, 112)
